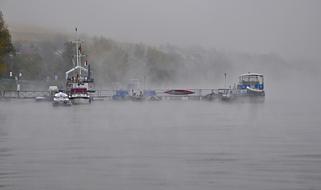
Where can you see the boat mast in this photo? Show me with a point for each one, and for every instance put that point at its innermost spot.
(77, 64)
(77, 51)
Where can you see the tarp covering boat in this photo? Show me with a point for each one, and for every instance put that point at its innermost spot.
(179, 92)
(61, 95)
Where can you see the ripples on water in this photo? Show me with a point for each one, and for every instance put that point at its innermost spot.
(160, 145)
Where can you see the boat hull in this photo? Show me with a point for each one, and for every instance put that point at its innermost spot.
(81, 100)
(62, 103)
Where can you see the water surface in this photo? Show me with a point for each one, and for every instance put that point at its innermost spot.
(174, 145)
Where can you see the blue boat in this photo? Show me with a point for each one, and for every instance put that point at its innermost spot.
(151, 95)
(250, 84)
(121, 95)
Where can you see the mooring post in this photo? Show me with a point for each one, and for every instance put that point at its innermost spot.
(18, 90)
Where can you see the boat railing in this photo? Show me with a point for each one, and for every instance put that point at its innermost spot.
(23, 94)
(108, 93)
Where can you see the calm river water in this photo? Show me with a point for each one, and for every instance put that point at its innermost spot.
(168, 145)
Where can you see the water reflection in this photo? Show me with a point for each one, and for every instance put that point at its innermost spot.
(6, 171)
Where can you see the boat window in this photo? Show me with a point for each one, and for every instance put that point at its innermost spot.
(251, 79)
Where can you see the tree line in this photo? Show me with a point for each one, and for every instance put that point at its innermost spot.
(6, 46)
(51, 56)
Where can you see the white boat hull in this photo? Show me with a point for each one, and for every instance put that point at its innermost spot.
(62, 102)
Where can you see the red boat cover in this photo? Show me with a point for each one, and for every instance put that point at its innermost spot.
(179, 92)
(79, 90)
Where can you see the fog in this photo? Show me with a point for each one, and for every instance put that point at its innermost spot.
(174, 145)
(290, 28)
(188, 44)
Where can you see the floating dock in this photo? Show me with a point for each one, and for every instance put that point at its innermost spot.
(107, 94)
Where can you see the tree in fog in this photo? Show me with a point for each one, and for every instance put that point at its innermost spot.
(160, 65)
(6, 46)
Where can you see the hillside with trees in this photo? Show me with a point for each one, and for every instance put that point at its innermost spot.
(44, 56)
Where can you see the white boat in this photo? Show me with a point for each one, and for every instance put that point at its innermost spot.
(52, 90)
(135, 90)
(61, 98)
(80, 82)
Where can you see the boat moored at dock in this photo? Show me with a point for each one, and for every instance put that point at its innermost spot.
(179, 92)
(61, 98)
(79, 80)
(250, 85)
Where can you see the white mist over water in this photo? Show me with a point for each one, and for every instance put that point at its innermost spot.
(160, 145)
(176, 145)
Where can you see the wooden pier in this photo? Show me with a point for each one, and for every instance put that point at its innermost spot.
(199, 94)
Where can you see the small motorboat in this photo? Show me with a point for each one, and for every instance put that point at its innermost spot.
(137, 96)
(61, 98)
(120, 95)
(225, 94)
(211, 96)
(179, 92)
(151, 95)
(135, 90)
(228, 96)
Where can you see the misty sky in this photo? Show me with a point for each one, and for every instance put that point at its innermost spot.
(291, 28)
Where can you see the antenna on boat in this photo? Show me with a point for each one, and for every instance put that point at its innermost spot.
(225, 80)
